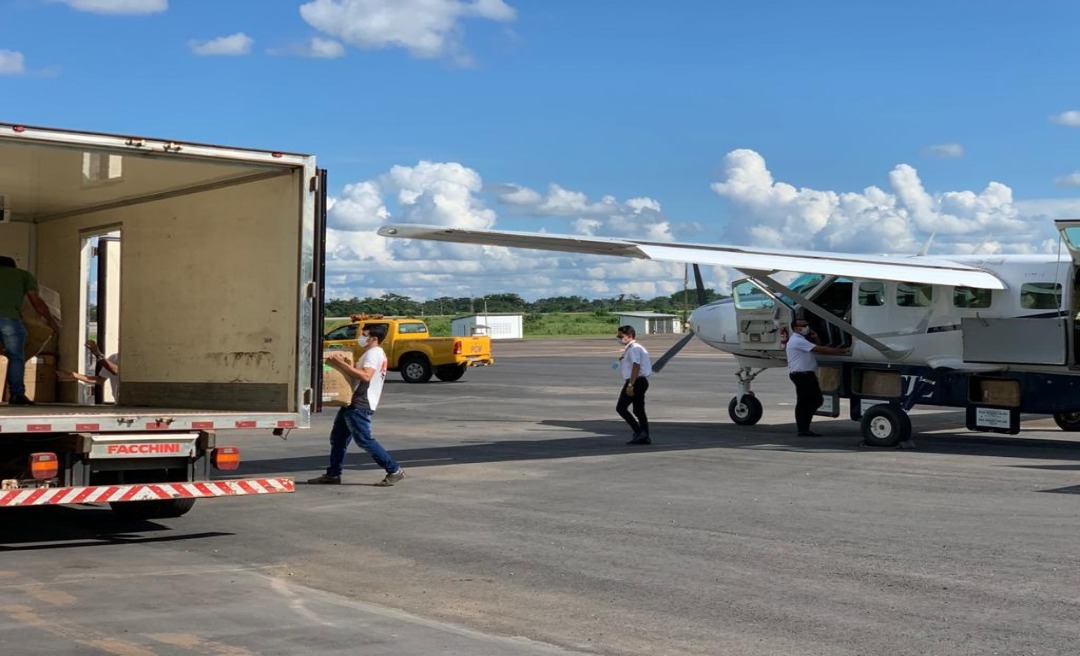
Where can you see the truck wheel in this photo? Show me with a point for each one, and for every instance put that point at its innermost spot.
(746, 412)
(1068, 421)
(885, 425)
(450, 372)
(416, 369)
(152, 509)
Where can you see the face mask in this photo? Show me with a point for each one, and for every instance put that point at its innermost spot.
(805, 330)
(362, 340)
(622, 340)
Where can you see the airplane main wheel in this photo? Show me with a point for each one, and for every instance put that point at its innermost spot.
(885, 425)
(1068, 421)
(745, 412)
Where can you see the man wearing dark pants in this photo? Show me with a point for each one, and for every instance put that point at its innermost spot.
(802, 369)
(636, 367)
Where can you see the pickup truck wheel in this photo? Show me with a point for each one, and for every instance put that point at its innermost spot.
(152, 509)
(450, 372)
(416, 369)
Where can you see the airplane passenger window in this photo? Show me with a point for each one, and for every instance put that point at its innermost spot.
(871, 293)
(910, 294)
(749, 297)
(1040, 296)
(970, 297)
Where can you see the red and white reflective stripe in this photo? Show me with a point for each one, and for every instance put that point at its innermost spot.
(50, 496)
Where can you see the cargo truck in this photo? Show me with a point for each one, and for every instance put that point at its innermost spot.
(201, 266)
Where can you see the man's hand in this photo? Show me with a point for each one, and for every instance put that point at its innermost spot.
(65, 376)
(94, 349)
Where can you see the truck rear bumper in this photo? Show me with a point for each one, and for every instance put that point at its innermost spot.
(53, 496)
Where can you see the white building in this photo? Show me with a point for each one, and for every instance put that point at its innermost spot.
(651, 323)
(496, 325)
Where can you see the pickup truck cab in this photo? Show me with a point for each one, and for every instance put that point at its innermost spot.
(411, 350)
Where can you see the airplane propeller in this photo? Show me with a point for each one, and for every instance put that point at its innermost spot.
(679, 345)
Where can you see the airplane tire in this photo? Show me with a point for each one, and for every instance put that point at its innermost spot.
(885, 425)
(746, 413)
(1068, 421)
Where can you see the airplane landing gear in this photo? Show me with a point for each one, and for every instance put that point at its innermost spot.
(744, 408)
(885, 425)
(745, 411)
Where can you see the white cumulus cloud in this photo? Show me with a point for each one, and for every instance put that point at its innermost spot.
(897, 220)
(12, 62)
(1070, 118)
(1070, 180)
(129, 7)
(945, 150)
(426, 28)
(231, 45)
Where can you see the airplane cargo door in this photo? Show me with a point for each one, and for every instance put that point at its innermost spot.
(762, 318)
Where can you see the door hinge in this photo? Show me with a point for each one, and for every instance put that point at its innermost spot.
(313, 184)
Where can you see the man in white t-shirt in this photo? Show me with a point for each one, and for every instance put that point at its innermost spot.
(636, 367)
(354, 420)
(107, 370)
(802, 369)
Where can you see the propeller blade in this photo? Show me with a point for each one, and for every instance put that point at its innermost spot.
(671, 352)
(700, 286)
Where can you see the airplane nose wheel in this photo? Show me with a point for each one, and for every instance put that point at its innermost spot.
(746, 411)
(885, 425)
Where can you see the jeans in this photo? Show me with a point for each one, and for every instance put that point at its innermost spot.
(640, 425)
(356, 424)
(13, 337)
(808, 398)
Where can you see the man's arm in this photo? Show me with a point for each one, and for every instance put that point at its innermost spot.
(43, 310)
(831, 350)
(67, 376)
(108, 364)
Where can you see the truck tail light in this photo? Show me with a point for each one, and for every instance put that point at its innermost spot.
(226, 458)
(457, 347)
(44, 465)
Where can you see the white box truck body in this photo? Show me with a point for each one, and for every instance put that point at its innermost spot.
(201, 266)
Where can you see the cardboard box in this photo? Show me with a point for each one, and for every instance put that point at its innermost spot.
(40, 379)
(999, 392)
(829, 378)
(880, 383)
(337, 388)
(39, 336)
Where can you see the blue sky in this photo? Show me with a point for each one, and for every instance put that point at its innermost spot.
(843, 125)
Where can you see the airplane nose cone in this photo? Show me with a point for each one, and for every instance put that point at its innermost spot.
(715, 322)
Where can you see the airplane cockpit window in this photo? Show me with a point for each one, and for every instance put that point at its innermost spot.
(749, 297)
(871, 293)
(1072, 235)
(971, 297)
(1040, 296)
(910, 294)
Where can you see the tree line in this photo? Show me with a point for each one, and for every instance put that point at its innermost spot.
(396, 304)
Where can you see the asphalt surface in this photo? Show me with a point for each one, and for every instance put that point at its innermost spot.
(526, 526)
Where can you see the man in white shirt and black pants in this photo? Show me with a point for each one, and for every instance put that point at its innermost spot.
(636, 367)
(802, 369)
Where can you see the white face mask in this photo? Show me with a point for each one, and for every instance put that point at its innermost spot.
(805, 330)
(362, 340)
(622, 340)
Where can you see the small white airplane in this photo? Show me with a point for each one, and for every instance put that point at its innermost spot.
(997, 335)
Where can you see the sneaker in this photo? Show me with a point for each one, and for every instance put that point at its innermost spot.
(641, 439)
(390, 479)
(325, 479)
(20, 400)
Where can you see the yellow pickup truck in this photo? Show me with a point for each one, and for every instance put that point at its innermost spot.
(411, 350)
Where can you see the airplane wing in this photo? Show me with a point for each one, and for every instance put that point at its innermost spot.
(750, 260)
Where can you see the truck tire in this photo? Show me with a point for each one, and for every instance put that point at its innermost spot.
(746, 413)
(160, 509)
(415, 369)
(450, 372)
(1068, 421)
(885, 425)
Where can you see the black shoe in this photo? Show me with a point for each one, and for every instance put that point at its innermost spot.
(20, 400)
(809, 434)
(325, 479)
(641, 439)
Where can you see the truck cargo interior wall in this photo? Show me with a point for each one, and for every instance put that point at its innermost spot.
(15, 241)
(209, 294)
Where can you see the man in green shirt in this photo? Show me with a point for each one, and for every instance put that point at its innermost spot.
(16, 285)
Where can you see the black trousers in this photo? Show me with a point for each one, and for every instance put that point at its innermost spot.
(808, 398)
(638, 421)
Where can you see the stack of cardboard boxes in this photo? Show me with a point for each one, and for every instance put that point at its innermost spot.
(40, 352)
